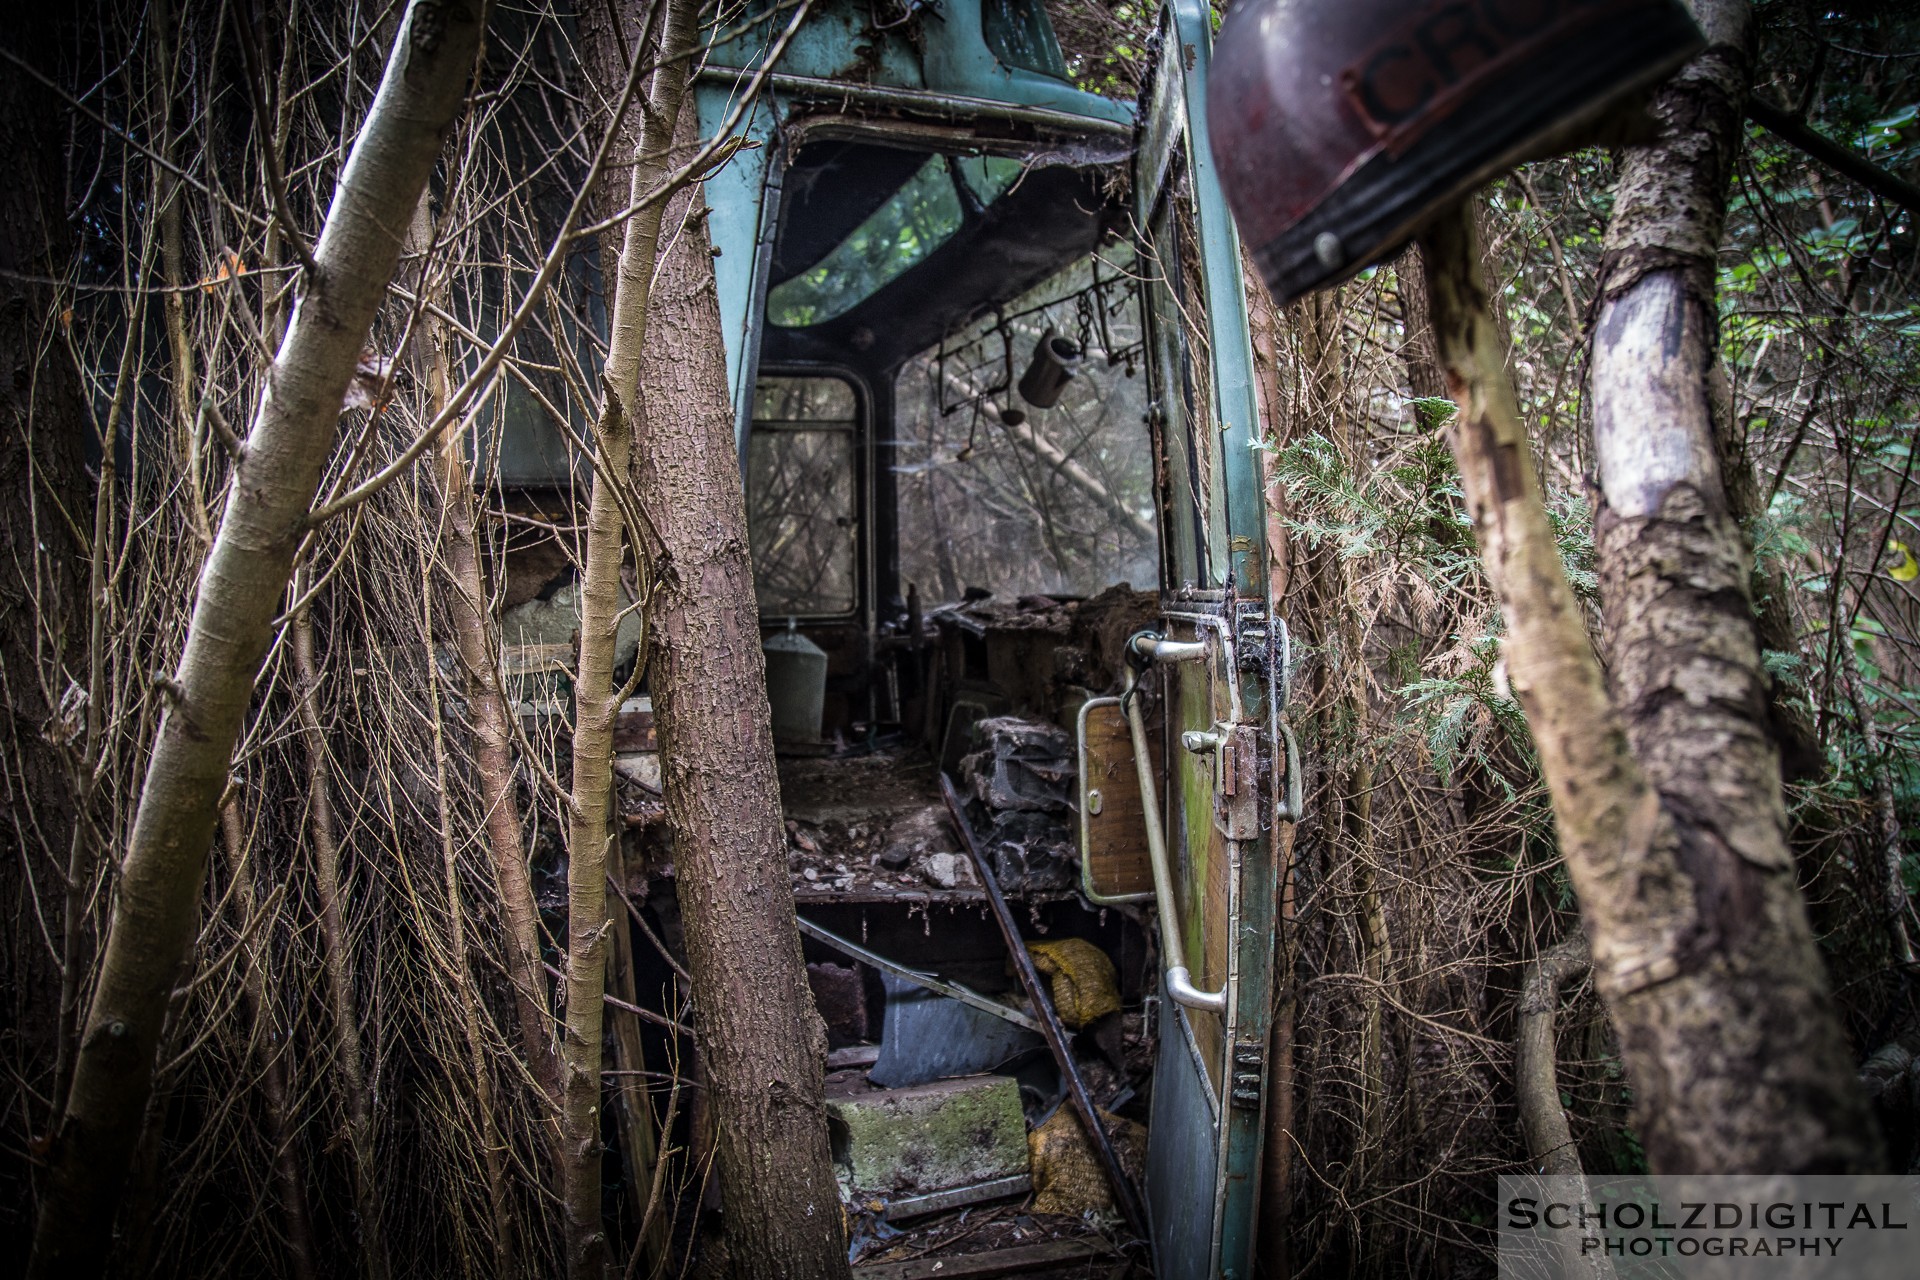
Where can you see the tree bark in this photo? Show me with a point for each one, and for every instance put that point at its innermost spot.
(1708, 968)
(240, 590)
(275, 1047)
(1536, 1079)
(349, 1056)
(476, 639)
(1657, 282)
(455, 961)
(638, 1148)
(1769, 1056)
(596, 698)
(760, 1038)
(1417, 353)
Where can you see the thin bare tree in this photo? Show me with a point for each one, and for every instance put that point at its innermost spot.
(245, 578)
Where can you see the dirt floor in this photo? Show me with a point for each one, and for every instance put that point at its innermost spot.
(871, 828)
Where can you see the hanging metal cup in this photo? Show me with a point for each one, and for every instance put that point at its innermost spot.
(1056, 360)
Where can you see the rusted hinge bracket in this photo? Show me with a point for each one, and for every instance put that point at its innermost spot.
(1249, 1079)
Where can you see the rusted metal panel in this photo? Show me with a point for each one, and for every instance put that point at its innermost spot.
(633, 726)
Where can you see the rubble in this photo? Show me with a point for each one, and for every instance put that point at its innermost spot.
(1021, 783)
(945, 870)
(871, 826)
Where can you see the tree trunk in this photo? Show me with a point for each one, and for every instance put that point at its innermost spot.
(760, 1038)
(240, 590)
(596, 699)
(1417, 353)
(274, 1044)
(349, 1056)
(639, 1150)
(1536, 1078)
(1768, 1083)
(1736, 1059)
(476, 638)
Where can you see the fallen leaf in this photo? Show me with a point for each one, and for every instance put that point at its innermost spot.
(1905, 568)
(369, 381)
(229, 268)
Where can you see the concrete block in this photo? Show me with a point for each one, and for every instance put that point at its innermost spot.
(930, 1137)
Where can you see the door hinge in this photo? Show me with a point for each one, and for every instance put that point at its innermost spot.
(1249, 1079)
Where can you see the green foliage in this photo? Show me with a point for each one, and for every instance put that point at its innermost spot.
(1404, 515)
(1105, 43)
(1432, 412)
(1455, 713)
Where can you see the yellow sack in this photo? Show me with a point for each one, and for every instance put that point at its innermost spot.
(1067, 1175)
(1085, 986)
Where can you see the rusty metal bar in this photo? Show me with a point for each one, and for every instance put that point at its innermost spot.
(1056, 1036)
(952, 990)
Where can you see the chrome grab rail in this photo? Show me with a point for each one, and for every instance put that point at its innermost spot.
(1180, 986)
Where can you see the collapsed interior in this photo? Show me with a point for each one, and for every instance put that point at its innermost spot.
(950, 472)
(950, 490)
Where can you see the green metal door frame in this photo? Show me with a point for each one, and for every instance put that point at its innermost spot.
(1231, 604)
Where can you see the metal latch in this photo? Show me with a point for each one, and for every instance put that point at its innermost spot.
(1235, 749)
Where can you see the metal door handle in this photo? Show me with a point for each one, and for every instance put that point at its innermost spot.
(1179, 981)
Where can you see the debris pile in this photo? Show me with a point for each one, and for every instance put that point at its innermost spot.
(1021, 784)
(869, 827)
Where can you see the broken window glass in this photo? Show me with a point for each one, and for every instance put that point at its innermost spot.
(802, 520)
(1055, 501)
(1020, 35)
(988, 177)
(915, 220)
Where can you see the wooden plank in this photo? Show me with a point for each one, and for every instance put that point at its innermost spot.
(1000, 1262)
(1115, 844)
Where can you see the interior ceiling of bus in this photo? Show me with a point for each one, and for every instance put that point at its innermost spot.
(1053, 215)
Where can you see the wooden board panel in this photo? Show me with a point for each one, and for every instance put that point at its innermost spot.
(999, 1262)
(1113, 827)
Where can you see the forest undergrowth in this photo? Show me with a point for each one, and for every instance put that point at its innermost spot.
(347, 999)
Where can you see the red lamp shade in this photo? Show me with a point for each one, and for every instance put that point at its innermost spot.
(1340, 125)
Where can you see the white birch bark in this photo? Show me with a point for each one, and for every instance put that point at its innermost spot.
(1747, 1069)
(596, 700)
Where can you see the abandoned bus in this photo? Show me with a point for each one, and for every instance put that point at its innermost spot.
(989, 359)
